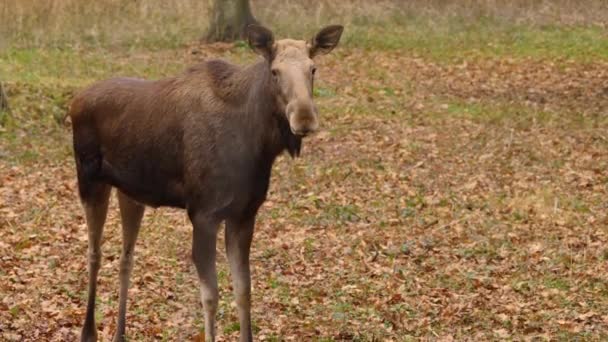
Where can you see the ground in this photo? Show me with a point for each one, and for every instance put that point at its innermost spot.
(451, 194)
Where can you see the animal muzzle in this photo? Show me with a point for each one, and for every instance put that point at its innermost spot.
(302, 118)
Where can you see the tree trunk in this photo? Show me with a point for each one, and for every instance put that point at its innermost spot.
(3, 99)
(229, 20)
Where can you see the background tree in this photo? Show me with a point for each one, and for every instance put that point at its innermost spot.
(3, 99)
(229, 19)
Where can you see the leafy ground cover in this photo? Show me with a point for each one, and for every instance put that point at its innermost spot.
(452, 194)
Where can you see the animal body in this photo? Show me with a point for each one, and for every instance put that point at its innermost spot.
(204, 141)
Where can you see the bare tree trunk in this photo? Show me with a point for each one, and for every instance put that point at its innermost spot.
(3, 99)
(229, 19)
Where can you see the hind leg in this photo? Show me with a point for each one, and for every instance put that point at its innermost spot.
(95, 205)
(131, 214)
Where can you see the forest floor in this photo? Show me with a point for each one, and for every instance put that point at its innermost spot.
(446, 198)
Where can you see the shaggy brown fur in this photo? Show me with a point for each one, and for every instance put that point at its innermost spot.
(201, 130)
(204, 141)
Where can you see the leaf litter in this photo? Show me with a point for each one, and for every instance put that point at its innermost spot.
(450, 201)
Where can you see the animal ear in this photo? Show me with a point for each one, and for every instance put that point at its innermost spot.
(326, 40)
(261, 40)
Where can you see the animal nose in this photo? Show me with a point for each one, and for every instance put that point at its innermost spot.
(304, 131)
(304, 126)
(302, 118)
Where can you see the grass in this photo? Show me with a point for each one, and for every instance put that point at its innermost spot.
(75, 65)
(456, 191)
(484, 28)
(457, 40)
(75, 23)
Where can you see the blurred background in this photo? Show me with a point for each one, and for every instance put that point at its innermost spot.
(383, 24)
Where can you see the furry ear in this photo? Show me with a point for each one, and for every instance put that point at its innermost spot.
(261, 40)
(326, 40)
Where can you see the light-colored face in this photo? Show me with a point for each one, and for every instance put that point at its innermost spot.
(293, 70)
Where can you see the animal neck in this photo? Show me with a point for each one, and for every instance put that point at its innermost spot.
(270, 124)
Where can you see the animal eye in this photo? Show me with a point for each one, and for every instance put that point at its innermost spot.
(313, 71)
(275, 72)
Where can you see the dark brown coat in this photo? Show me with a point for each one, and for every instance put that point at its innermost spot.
(204, 141)
(215, 127)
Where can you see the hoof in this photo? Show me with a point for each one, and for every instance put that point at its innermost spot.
(88, 337)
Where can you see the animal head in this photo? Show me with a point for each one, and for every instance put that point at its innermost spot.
(293, 71)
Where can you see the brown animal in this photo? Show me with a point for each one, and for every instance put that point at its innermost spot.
(204, 141)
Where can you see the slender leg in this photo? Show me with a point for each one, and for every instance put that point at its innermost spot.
(203, 254)
(238, 242)
(95, 207)
(131, 214)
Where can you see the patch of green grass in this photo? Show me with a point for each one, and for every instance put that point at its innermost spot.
(604, 255)
(81, 67)
(231, 328)
(222, 276)
(280, 288)
(580, 336)
(345, 213)
(324, 339)
(523, 286)
(273, 283)
(431, 29)
(103, 23)
(269, 253)
(274, 338)
(450, 282)
(578, 206)
(15, 310)
(557, 283)
(342, 311)
(452, 38)
(323, 92)
(69, 293)
(483, 250)
(374, 164)
(309, 247)
(98, 314)
(504, 112)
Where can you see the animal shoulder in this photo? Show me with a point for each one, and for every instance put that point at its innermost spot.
(216, 70)
(223, 77)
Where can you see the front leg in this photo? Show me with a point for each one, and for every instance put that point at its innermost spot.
(239, 234)
(131, 214)
(203, 254)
